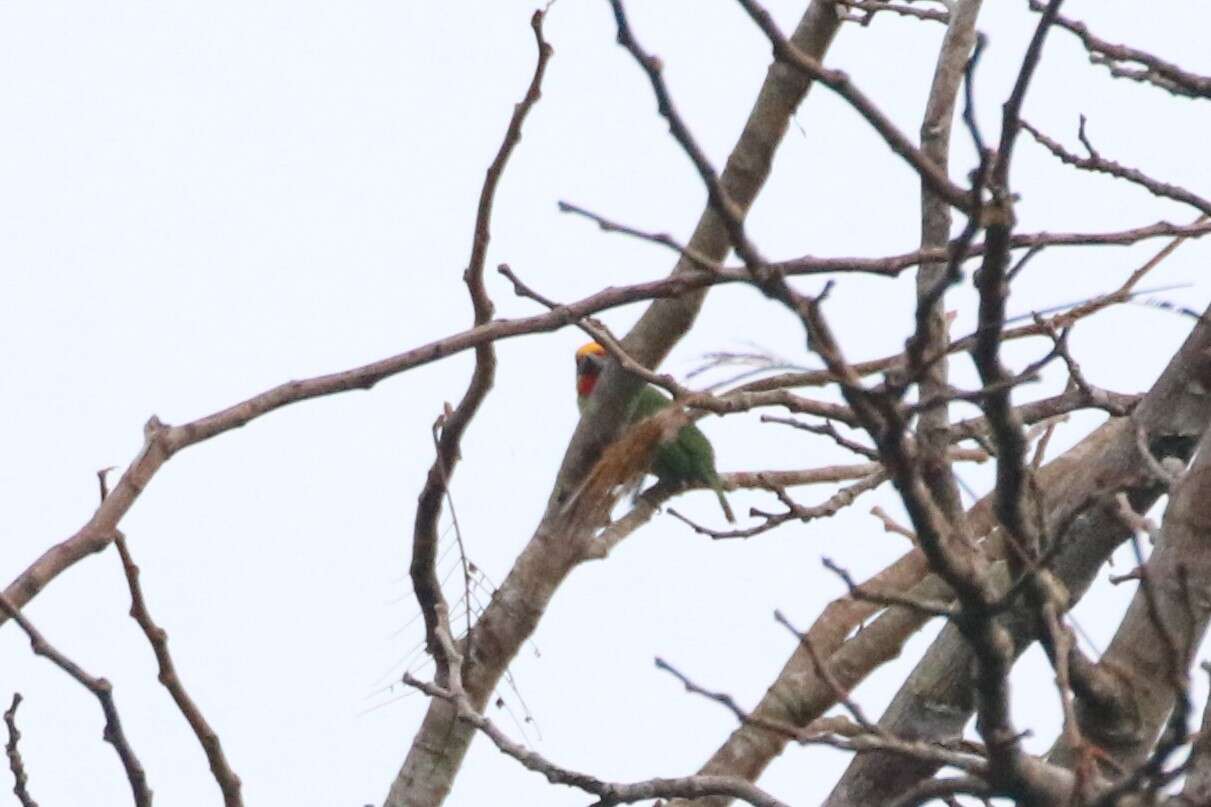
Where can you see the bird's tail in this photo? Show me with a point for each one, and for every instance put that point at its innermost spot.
(727, 508)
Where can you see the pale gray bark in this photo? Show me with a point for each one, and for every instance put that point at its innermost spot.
(798, 695)
(1149, 656)
(437, 750)
(748, 750)
(933, 432)
(936, 700)
(1197, 789)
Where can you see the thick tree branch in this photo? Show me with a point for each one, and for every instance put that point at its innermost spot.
(931, 337)
(1150, 653)
(932, 174)
(936, 699)
(557, 547)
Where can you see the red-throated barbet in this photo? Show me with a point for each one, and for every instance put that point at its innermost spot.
(688, 459)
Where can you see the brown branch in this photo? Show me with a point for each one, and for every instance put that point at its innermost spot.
(825, 429)
(840, 693)
(1068, 316)
(663, 239)
(162, 442)
(429, 504)
(864, 741)
(1096, 163)
(993, 649)
(780, 480)
(650, 501)
(228, 781)
(100, 688)
(874, 7)
(706, 273)
(837, 81)
(931, 336)
(720, 202)
(886, 428)
(1011, 113)
(439, 746)
(1155, 70)
(892, 598)
(934, 700)
(1197, 787)
(893, 526)
(15, 764)
(960, 564)
(1152, 648)
(1062, 645)
(794, 511)
(607, 793)
(933, 789)
(894, 265)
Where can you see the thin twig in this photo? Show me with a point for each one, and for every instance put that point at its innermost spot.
(890, 598)
(1096, 163)
(103, 691)
(607, 793)
(228, 781)
(794, 511)
(15, 763)
(425, 584)
(837, 81)
(1154, 70)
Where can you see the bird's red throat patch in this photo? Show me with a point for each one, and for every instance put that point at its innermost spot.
(585, 383)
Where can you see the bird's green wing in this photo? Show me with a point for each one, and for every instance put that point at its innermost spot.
(647, 402)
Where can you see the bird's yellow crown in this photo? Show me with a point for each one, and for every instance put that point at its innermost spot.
(590, 349)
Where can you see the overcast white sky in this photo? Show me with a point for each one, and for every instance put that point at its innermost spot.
(201, 200)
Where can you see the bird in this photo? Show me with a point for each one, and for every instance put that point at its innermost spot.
(684, 460)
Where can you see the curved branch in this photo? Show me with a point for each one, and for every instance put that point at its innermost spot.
(102, 690)
(228, 781)
(608, 793)
(15, 764)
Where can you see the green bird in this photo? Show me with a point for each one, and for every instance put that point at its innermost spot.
(689, 459)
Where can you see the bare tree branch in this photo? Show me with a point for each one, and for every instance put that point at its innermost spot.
(874, 7)
(935, 699)
(786, 51)
(931, 337)
(454, 423)
(794, 511)
(1151, 651)
(100, 688)
(1197, 787)
(859, 740)
(439, 746)
(1151, 70)
(11, 748)
(228, 781)
(608, 793)
(1096, 163)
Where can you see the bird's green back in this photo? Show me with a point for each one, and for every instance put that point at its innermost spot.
(647, 402)
(688, 459)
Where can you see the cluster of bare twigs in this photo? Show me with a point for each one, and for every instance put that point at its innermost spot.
(1002, 573)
